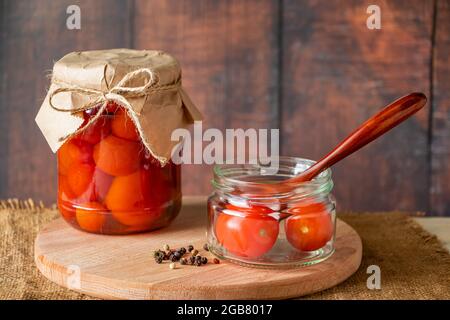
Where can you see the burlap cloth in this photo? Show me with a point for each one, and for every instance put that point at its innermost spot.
(413, 263)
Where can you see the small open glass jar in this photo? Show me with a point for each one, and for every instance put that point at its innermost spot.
(295, 227)
(109, 183)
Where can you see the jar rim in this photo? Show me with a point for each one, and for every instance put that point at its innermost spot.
(229, 177)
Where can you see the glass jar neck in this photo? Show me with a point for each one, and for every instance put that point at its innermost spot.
(236, 182)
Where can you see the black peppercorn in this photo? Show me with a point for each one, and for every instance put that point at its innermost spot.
(190, 247)
(205, 246)
(174, 258)
(158, 259)
(192, 259)
(177, 254)
(204, 260)
(182, 250)
(197, 263)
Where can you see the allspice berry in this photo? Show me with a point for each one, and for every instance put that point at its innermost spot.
(158, 253)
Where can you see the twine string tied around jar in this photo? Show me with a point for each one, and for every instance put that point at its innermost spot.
(118, 94)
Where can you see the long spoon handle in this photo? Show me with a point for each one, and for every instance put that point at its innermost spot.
(392, 115)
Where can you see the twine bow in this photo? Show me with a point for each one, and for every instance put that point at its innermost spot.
(119, 94)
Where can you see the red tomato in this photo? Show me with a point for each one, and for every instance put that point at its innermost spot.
(91, 216)
(310, 228)
(73, 151)
(116, 156)
(130, 199)
(249, 236)
(139, 219)
(123, 127)
(79, 178)
(85, 183)
(127, 192)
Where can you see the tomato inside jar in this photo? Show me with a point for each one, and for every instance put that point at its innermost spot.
(281, 229)
(109, 183)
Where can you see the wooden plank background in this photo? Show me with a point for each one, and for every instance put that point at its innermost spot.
(308, 67)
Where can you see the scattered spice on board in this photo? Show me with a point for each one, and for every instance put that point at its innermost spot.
(177, 255)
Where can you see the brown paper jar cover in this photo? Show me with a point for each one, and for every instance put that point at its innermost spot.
(90, 75)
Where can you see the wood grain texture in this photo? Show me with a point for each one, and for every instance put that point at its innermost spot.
(440, 136)
(228, 52)
(123, 266)
(34, 35)
(4, 110)
(336, 73)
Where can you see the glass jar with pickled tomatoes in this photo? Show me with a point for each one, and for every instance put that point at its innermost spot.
(277, 228)
(109, 183)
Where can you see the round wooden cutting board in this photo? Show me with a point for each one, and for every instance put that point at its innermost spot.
(123, 266)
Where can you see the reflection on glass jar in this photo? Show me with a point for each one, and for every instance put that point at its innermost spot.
(278, 229)
(109, 183)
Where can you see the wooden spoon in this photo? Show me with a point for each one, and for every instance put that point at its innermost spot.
(389, 117)
(392, 115)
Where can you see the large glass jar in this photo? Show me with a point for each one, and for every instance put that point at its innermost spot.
(109, 183)
(293, 227)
